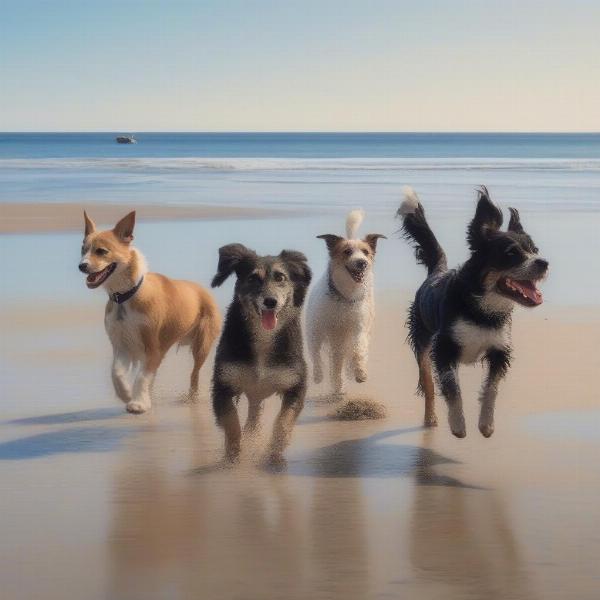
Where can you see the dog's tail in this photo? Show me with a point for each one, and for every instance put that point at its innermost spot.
(416, 229)
(209, 325)
(353, 221)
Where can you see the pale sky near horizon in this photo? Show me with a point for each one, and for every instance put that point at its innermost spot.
(328, 65)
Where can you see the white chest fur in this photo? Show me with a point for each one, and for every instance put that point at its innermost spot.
(123, 326)
(258, 381)
(475, 340)
(334, 316)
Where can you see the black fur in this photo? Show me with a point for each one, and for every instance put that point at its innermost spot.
(428, 252)
(465, 295)
(257, 278)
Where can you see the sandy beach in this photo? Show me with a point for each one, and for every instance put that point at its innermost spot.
(103, 503)
(39, 217)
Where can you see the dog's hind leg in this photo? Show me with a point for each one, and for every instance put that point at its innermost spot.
(445, 360)
(498, 361)
(120, 370)
(291, 406)
(427, 388)
(419, 339)
(227, 418)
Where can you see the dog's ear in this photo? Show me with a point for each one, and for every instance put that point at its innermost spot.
(487, 219)
(331, 240)
(124, 228)
(90, 226)
(515, 221)
(232, 258)
(371, 239)
(299, 271)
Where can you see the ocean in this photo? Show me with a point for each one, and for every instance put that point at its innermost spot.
(553, 179)
(302, 169)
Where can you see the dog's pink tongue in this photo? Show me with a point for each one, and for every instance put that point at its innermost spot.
(529, 289)
(268, 319)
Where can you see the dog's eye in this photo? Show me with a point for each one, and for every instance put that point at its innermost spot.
(510, 251)
(100, 251)
(348, 252)
(536, 250)
(253, 278)
(279, 277)
(365, 252)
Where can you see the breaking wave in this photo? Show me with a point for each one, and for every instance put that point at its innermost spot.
(298, 164)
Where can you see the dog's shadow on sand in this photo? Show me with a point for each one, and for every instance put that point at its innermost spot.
(69, 440)
(369, 458)
(94, 414)
(363, 458)
(73, 440)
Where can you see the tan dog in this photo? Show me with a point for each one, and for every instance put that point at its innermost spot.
(146, 312)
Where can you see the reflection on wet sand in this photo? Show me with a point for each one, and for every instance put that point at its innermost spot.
(461, 540)
(214, 532)
(311, 532)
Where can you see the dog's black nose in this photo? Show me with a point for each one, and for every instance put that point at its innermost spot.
(361, 264)
(541, 264)
(270, 303)
(83, 267)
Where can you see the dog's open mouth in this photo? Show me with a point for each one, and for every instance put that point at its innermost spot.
(357, 274)
(523, 291)
(93, 280)
(268, 319)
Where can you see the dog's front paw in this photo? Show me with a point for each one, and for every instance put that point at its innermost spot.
(457, 424)
(486, 429)
(137, 407)
(360, 375)
(275, 462)
(190, 397)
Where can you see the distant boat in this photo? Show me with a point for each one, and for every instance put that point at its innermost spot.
(126, 139)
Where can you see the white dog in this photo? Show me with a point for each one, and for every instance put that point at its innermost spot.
(341, 306)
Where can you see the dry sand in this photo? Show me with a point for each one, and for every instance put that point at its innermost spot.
(62, 216)
(100, 504)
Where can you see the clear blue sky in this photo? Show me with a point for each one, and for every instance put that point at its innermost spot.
(300, 65)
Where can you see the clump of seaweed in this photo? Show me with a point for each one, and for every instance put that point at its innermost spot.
(358, 409)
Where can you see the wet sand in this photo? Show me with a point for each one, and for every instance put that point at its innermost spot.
(39, 217)
(104, 505)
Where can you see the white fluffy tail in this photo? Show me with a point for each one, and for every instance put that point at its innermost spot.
(410, 203)
(353, 221)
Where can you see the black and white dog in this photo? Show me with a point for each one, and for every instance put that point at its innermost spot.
(261, 350)
(463, 315)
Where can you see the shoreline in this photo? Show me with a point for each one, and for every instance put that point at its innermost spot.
(55, 217)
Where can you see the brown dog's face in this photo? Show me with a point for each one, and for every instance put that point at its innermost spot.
(104, 252)
(356, 257)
